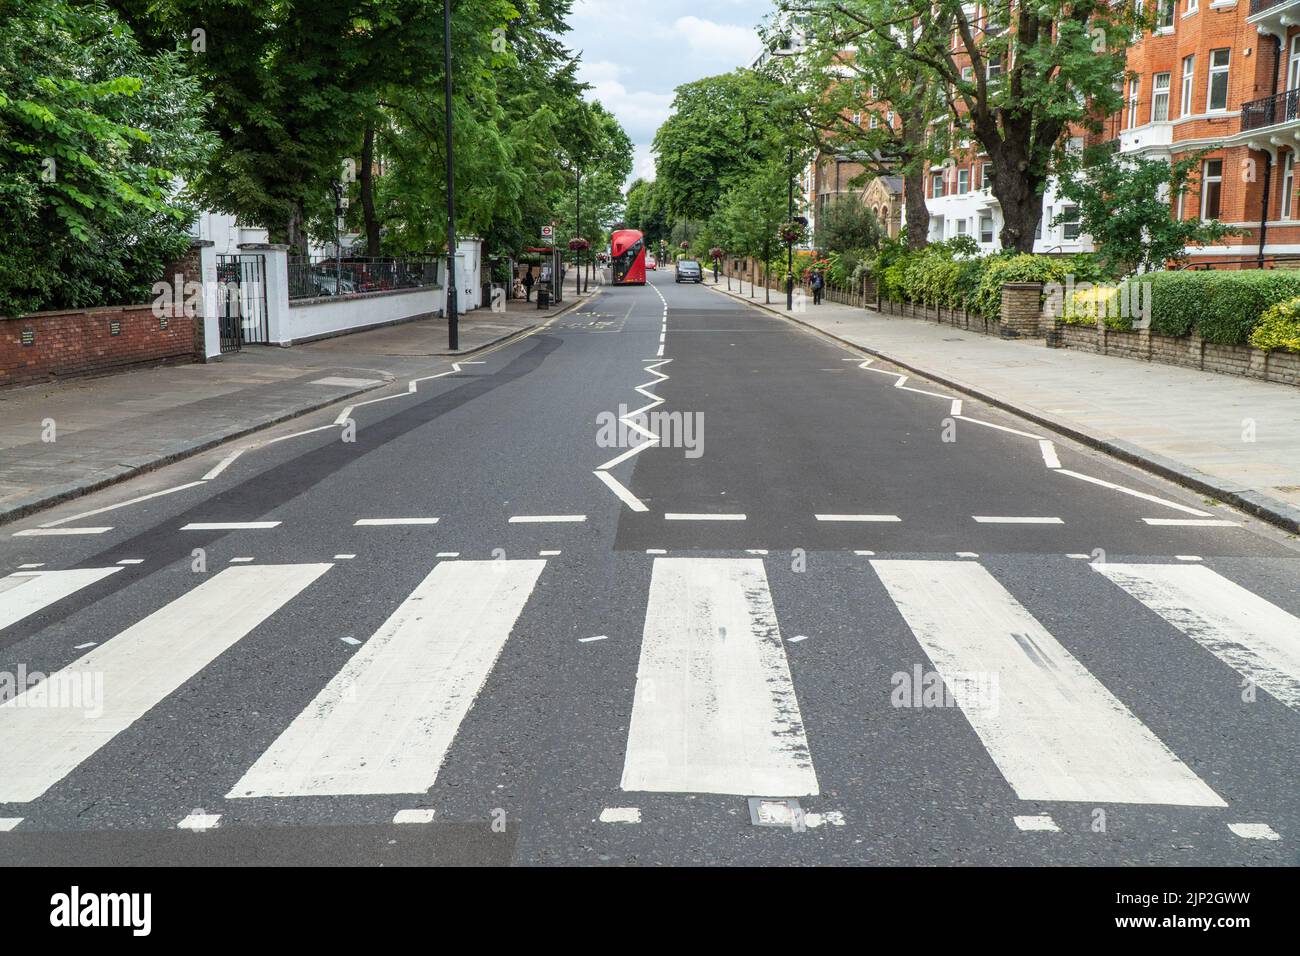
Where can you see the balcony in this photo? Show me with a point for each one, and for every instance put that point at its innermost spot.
(1155, 135)
(1279, 110)
(1273, 16)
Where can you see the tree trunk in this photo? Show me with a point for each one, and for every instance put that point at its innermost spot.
(1017, 184)
(918, 213)
(294, 232)
(367, 182)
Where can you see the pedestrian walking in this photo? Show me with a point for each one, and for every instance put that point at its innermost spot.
(528, 285)
(818, 283)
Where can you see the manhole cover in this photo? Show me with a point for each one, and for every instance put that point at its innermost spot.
(770, 812)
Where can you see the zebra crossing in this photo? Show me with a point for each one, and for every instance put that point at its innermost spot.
(714, 708)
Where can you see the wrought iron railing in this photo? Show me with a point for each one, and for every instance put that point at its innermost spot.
(1271, 110)
(312, 276)
(1259, 6)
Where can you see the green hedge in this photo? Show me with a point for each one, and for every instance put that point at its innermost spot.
(1224, 306)
(1022, 267)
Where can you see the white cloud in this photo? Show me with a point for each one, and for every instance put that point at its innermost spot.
(719, 42)
(640, 111)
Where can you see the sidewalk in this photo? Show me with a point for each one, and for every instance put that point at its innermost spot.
(1186, 425)
(109, 428)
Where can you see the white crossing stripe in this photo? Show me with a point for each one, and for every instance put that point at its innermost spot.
(1254, 637)
(1054, 731)
(41, 532)
(26, 593)
(858, 518)
(715, 708)
(230, 525)
(44, 741)
(385, 522)
(387, 719)
(1192, 522)
(1014, 519)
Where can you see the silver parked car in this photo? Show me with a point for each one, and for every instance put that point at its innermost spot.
(688, 270)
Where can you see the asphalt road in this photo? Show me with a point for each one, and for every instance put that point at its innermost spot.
(604, 645)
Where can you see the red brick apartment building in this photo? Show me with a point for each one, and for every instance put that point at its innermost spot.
(1224, 76)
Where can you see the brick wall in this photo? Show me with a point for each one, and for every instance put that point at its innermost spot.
(65, 344)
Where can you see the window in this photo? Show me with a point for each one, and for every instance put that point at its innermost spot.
(963, 181)
(994, 69)
(1189, 78)
(875, 121)
(1216, 96)
(968, 74)
(1160, 98)
(857, 119)
(1165, 15)
(1293, 66)
(1288, 185)
(889, 118)
(986, 227)
(1192, 7)
(961, 227)
(936, 185)
(1133, 88)
(1069, 222)
(986, 176)
(1211, 188)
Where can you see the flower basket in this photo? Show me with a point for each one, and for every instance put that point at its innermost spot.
(715, 253)
(578, 245)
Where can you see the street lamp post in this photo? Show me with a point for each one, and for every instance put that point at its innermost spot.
(789, 246)
(453, 321)
(577, 229)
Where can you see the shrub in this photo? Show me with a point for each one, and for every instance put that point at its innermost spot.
(1279, 327)
(1223, 306)
(1003, 268)
(1085, 305)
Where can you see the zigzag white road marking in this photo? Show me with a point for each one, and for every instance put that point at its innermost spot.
(601, 472)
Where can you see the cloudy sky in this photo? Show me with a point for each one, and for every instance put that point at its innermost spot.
(635, 53)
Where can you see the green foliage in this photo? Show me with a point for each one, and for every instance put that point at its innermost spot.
(93, 132)
(847, 223)
(1126, 205)
(1022, 267)
(1279, 327)
(1223, 306)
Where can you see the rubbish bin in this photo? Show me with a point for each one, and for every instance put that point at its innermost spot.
(543, 297)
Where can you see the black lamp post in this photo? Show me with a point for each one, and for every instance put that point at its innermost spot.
(453, 321)
(789, 246)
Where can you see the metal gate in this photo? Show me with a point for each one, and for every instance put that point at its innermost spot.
(241, 298)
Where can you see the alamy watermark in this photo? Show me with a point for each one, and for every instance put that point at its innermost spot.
(69, 689)
(622, 429)
(1099, 301)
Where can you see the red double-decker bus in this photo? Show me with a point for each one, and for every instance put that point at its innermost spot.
(627, 246)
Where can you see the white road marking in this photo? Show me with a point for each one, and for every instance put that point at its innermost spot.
(384, 723)
(1251, 635)
(140, 667)
(25, 594)
(448, 554)
(756, 550)
(9, 823)
(1054, 731)
(598, 637)
(29, 567)
(386, 522)
(620, 815)
(200, 821)
(83, 647)
(547, 519)
(1193, 522)
(122, 504)
(797, 638)
(240, 560)
(1001, 428)
(223, 464)
(230, 525)
(656, 551)
(421, 815)
(621, 491)
(864, 554)
(1015, 519)
(715, 708)
(547, 554)
(350, 641)
(131, 561)
(1254, 831)
(39, 532)
(956, 408)
(344, 557)
(1136, 494)
(1080, 557)
(1188, 557)
(858, 518)
(967, 554)
(1039, 823)
(1049, 453)
(674, 516)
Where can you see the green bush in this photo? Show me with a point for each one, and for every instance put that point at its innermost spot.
(1279, 327)
(1085, 305)
(1003, 268)
(1224, 306)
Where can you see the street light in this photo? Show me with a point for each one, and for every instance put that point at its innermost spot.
(453, 321)
(789, 246)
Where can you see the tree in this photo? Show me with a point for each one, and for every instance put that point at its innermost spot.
(751, 212)
(94, 130)
(847, 223)
(865, 98)
(1036, 71)
(720, 129)
(1125, 202)
(646, 211)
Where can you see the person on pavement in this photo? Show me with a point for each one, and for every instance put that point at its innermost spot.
(818, 283)
(528, 285)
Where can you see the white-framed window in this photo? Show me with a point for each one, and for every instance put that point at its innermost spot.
(968, 74)
(1211, 188)
(986, 227)
(889, 118)
(986, 176)
(875, 121)
(961, 227)
(1134, 87)
(963, 181)
(936, 185)
(1192, 7)
(1165, 15)
(1288, 184)
(1069, 221)
(994, 69)
(1216, 92)
(1293, 65)
(1189, 80)
(857, 119)
(1160, 98)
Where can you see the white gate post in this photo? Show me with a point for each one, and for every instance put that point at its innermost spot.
(275, 275)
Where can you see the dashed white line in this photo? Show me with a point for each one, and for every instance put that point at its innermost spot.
(40, 532)
(858, 518)
(131, 561)
(1039, 823)
(28, 567)
(230, 525)
(448, 554)
(344, 557)
(674, 516)
(620, 815)
(1049, 453)
(547, 554)
(387, 522)
(1015, 519)
(200, 821)
(1254, 831)
(1193, 522)
(598, 637)
(121, 504)
(547, 519)
(422, 815)
(240, 560)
